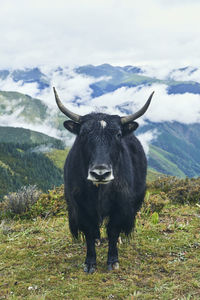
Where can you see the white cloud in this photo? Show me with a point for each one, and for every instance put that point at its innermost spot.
(190, 73)
(183, 108)
(10, 85)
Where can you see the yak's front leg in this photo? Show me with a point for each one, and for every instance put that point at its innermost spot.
(90, 261)
(113, 235)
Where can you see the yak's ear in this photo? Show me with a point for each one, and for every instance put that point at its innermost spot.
(129, 127)
(72, 126)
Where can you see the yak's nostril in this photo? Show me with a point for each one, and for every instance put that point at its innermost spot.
(93, 173)
(106, 174)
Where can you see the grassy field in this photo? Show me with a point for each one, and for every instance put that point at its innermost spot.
(39, 259)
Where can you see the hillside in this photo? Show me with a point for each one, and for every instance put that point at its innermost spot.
(18, 108)
(30, 109)
(176, 151)
(26, 136)
(24, 160)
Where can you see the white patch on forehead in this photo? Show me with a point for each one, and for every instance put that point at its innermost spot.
(103, 123)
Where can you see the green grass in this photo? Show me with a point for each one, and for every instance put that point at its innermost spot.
(39, 260)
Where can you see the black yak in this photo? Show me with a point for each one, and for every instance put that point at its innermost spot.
(104, 177)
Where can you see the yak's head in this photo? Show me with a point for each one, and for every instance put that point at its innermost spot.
(101, 137)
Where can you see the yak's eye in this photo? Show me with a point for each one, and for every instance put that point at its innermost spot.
(119, 135)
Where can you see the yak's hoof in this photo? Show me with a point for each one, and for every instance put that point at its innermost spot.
(90, 268)
(113, 266)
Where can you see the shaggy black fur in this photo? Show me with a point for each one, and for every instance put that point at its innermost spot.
(119, 200)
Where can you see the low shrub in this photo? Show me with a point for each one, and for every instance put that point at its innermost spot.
(50, 204)
(164, 184)
(29, 202)
(178, 190)
(20, 202)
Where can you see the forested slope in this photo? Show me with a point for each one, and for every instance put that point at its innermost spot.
(19, 166)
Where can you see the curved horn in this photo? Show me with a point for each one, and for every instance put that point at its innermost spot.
(139, 113)
(66, 111)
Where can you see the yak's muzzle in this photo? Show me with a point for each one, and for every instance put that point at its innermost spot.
(100, 174)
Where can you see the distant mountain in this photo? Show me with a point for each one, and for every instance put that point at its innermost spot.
(27, 76)
(113, 77)
(129, 76)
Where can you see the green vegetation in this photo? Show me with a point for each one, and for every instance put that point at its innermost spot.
(161, 260)
(19, 203)
(58, 156)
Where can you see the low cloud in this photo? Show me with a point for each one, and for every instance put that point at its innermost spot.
(9, 84)
(42, 148)
(183, 108)
(189, 74)
(147, 138)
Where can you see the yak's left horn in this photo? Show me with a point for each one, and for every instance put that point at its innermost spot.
(66, 111)
(138, 114)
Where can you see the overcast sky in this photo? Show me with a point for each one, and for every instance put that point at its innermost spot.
(159, 35)
(77, 32)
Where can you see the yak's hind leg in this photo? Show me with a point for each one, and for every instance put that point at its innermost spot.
(118, 222)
